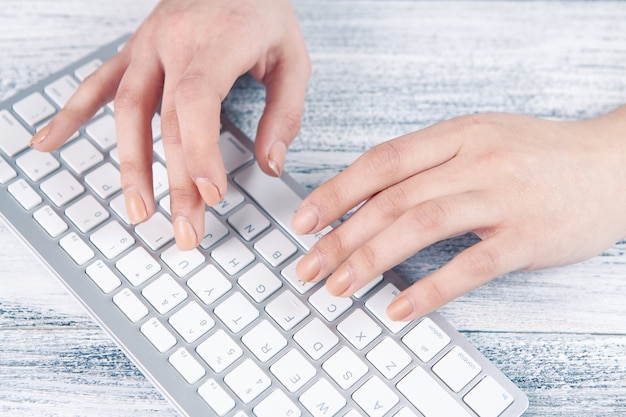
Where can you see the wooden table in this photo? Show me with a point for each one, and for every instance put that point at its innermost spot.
(380, 69)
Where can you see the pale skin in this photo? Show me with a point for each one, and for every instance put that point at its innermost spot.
(537, 193)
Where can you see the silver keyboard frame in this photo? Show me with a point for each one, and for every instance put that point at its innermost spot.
(143, 354)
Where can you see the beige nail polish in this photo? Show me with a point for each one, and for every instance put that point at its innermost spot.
(276, 157)
(304, 220)
(186, 238)
(39, 137)
(400, 309)
(209, 192)
(135, 207)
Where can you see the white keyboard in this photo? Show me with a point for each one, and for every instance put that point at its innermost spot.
(226, 329)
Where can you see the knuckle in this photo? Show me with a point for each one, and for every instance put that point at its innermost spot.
(169, 127)
(392, 202)
(429, 215)
(482, 263)
(190, 88)
(128, 98)
(385, 159)
(367, 259)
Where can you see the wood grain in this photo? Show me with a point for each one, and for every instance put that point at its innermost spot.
(381, 69)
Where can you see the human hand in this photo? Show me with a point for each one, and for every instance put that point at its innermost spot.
(538, 193)
(187, 55)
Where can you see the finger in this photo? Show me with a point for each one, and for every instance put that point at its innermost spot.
(93, 93)
(473, 267)
(421, 226)
(286, 87)
(136, 101)
(382, 166)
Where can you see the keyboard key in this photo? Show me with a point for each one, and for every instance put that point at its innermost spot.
(322, 399)
(7, 172)
(329, 306)
(112, 239)
(426, 340)
(162, 339)
(359, 329)
(233, 153)
(378, 303)
(456, 369)
(316, 338)
(160, 183)
(259, 282)
(24, 194)
(102, 131)
(87, 69)
(62, 188)
(275, 248)
(87, 213)
(277, 404)
(37, 165)
(216, 397)
(219, 351)
(209, 284)
(81, 156)
(375, 397)
(138, 266)
(248, 222)
(236, 312)
(232, 199)
(264, 341)
(431, 399)
(214, 231)
(182, 262)
(156, 232)
(34, 109)
(191, 322)
(50, 221)
(130, 305)
(233, 256)
(15, 137)
(247, 381)
(289, 273)
(61, 90)
(368, 287)
(389, 358)
(287, 310)
(345, 368)
(293, 370)
(118, 204)
(76, 248)
(187, 366)
(103, 277)
(104, 180)
(488, 398)
(164, 293)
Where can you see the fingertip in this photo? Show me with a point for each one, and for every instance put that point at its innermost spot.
(186, 236)
(276, 157)
(209, 191)
(37, 140)
(401, 308)
(135, 206)
(305, 220)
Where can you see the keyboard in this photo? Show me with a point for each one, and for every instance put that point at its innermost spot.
(225, 329)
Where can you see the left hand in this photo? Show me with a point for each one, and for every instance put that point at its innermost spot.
(538, 193)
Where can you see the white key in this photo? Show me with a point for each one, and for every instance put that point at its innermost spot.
(164, 293)
(287, 310)
(405, 412)
(248, 222)
(259, 282)
(322, 400)
(456, 369)
(130, 305)
(354, 413)
(378, 306)
(104, 180)
(87, 69)
(138, 266)
(81, 156)
(233, 153)
(102, 131)
(368, 287)
(209, 284)
(118, 204)
(214, 230)
(289, 273)
(275, 196)
(7, 172)
(36, 164)
(293, 370)
(264, 341)
(233, 256)
(389, 358)
(156, 127)
(50, 221)
(103, 277)
(191, 322)
(187, 366)
(112, 239)
(375, 397)
(329, 306)
(277, 404)
(86, 213)
(158, 149)
(316, 338)
(15, 137)
(219, 351)
(426, 339)
(34, 108)
(236, 312)
(115, 155)
(160, 183)
(247, 381)
(162, 339)
(217, 398)
(165, 204)
(345, 368)
(76, 248)
(232, 199)
(359, 329)
(61, 90)
(156, 232)
(24, 194)
(182, 262)
(62, 188)
(275, 248)
(488, 398)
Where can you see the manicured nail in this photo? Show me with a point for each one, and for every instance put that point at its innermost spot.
(186, 237)
(209, 192)
(135, 207)
(339, 282)
(39, 137)
(276, 157)
(309, 267)
(304, 220)
(400, 309)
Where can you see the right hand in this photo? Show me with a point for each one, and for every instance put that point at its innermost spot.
(187, 55)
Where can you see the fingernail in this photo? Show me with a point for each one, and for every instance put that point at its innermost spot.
(339, 282)
(209, 192)
(39, 136)
(186, 237)
(135, 207)
(400, 309)
(309, 267)
(304, 220)
(276, 157)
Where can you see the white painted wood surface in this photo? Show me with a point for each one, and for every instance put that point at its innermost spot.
(381, 69)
